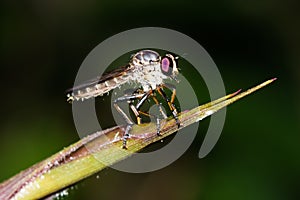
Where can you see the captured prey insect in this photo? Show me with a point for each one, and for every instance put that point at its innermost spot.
(149, 71)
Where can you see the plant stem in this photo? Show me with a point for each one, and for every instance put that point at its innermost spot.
(99, 150)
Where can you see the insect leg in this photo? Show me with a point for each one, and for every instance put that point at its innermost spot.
(173, 88)
(160, 107)
(136, 109)
(123, 114)
(157, 117)
(170, 103)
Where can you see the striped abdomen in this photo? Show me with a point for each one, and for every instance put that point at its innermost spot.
(99, 86)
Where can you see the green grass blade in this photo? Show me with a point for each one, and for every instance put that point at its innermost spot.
(99, 150)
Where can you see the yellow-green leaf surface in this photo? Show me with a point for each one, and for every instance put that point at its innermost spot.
(99, 150)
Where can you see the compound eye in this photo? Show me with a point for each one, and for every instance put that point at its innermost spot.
(166, 66)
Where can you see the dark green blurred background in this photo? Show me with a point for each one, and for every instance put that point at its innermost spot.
(257, 157)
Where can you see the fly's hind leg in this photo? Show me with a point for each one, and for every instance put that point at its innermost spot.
(135, 109)
(129, 100)
(126, 118)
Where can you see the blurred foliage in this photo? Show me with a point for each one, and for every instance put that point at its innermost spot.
(42, 44)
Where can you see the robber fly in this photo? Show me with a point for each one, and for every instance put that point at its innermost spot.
(148, 70)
